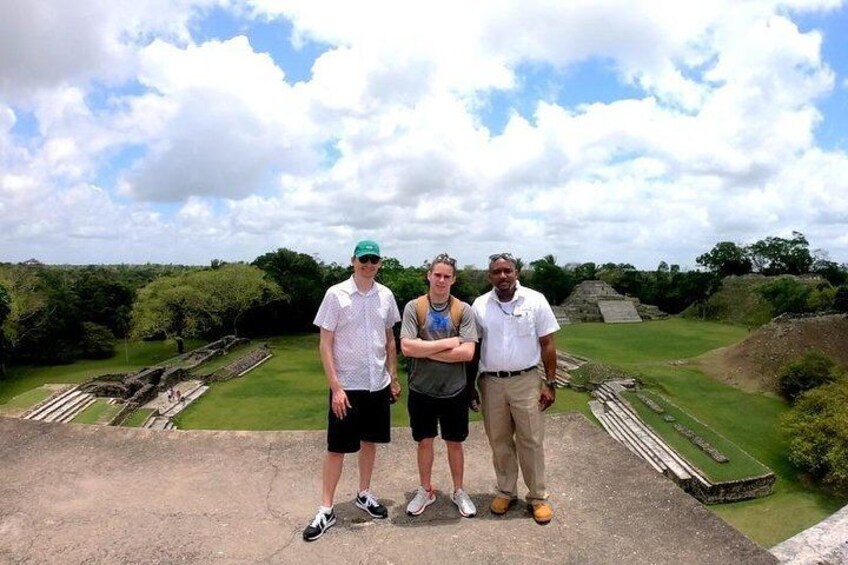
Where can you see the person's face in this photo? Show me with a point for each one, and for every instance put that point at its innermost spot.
(502, 275)
(366, 266)
(441, 278)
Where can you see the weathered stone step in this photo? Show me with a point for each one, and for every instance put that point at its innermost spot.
(634, 443)
(71, 414)
(71, 407)
(52, 404)
(618, 312)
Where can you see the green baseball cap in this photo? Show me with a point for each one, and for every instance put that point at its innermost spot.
(366, 247)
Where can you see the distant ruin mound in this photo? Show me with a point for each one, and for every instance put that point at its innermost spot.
(753, 363)
(597, 301)
(739, 301)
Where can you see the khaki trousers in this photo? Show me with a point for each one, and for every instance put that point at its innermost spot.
(515, 427)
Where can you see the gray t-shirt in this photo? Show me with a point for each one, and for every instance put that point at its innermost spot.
(435, 378)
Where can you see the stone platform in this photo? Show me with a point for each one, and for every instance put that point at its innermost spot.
(73, 493)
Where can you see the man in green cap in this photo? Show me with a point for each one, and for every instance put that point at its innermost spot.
(359, 356)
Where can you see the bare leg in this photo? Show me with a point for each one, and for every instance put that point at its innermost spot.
(425, 462)
(367, 454)
(333, 464)
(456, 461)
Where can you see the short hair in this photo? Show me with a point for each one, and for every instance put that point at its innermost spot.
(442, 258)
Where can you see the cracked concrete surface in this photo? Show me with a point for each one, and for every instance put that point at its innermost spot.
(73, 493)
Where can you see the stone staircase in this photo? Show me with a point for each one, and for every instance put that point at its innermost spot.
(565, 362)
(618, 312)
(63, 407)
(162, 419)
(622, 423)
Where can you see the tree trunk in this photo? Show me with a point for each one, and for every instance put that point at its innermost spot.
(180, 345)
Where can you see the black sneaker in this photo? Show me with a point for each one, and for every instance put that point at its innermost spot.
(319, 525)
(367, 502)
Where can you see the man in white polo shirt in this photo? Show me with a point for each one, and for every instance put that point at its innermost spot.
(516, 327)
(360, 362)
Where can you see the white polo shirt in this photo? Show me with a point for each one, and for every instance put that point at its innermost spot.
(359, 323)
(510, 331)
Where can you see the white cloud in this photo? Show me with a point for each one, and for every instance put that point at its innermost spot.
(386, 138)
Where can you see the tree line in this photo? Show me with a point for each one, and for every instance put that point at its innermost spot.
(55, 314)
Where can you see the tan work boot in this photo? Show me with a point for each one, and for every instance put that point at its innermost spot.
(542, 512)
(500, 504)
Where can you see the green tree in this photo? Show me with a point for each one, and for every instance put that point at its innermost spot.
(303, 280)
(550, 279)
(169, 307)
(840, 300)
(585, 272)
(816, 431)
(231, 291)
(726, 259)
(405, 283)
(5, 309)
(831, 271)
(96, 341)
(778, 256)
(210, 302)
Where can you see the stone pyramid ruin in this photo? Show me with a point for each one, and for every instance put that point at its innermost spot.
(597, 301)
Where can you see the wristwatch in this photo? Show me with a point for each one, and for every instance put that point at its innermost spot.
(550, 384)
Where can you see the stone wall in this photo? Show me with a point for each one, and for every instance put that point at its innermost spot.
(732, 491)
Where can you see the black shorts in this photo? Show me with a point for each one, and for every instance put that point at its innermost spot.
(427, 415)
(368, 419)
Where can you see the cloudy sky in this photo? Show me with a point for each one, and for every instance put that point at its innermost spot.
(180, 131)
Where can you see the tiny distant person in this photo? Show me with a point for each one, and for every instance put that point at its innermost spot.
(439, 334)
(359, 356)
(516, 326)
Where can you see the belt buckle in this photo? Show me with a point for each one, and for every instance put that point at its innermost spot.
(503, 374)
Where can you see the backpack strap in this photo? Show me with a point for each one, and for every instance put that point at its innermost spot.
(422, 305)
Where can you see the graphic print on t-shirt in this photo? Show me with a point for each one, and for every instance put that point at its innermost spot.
(437, 323)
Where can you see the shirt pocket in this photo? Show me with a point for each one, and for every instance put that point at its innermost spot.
(526, 324)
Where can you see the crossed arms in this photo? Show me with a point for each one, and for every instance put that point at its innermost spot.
(447, 350)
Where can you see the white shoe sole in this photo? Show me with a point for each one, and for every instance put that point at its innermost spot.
(423, 508)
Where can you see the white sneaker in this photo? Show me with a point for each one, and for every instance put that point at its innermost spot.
(423, 498)
(464, 503)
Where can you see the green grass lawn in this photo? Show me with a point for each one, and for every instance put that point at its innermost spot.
(137, 418)
(740, 464)
(138, 355)
(750, 420)
(98, 413)
(25, 400)
(223, 360)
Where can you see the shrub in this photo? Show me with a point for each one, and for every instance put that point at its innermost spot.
(816, 430)
(785, 295)
(821, 299)
(807, 372)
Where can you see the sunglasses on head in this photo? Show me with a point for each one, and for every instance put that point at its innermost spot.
(373, 259)
(444, 258)
(496, 256)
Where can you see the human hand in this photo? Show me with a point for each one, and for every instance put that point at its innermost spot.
(474, 400)
(546, 397)
(394, 389)
(340, 404)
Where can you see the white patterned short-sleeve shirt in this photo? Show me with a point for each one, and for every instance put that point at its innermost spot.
(359, 323)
